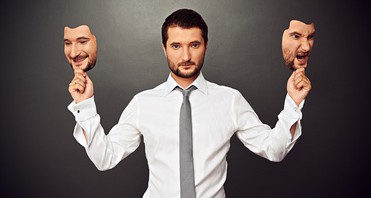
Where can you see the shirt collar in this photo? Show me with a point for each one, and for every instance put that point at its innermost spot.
(200, 83)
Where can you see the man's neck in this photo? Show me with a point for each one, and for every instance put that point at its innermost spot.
(184, 82)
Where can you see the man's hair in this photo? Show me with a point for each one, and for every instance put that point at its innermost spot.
(184, 18)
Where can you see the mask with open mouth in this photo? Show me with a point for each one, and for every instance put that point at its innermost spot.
(297, 43)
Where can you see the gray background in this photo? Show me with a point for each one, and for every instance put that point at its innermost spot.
(40, 158)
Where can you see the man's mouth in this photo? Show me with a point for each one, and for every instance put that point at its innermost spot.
(186, 63)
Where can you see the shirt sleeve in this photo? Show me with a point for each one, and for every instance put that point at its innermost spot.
(272, 144)
(106, 151)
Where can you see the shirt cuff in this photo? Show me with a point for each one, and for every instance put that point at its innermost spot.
(291, 111)
(292, 114)
(79, 136)
(83, 110)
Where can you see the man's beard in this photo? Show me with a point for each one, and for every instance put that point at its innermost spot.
(181, 74)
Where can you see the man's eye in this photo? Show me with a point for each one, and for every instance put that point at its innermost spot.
(67, 43)
(83, 41)
(195, 45)
(295, 36)
(175, 46)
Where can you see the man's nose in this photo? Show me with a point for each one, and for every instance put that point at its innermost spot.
(186, 54)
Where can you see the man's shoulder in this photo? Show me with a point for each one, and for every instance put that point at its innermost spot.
(223, 89)
(156, 91)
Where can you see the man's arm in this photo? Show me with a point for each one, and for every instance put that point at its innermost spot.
(270, 143)
(81, 88)
(274, 144)
(298, 87)
(105, 151)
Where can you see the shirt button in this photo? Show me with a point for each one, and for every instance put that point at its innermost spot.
(78, 111)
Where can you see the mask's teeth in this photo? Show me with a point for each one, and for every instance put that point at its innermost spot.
(299, 57)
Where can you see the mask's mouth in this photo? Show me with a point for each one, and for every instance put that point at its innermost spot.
(302, 58)
(79, 59)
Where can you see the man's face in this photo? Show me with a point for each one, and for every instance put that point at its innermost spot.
(185, 51)
(80, 47)
(297, 42)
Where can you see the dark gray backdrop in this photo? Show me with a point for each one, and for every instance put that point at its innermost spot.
(40, 158)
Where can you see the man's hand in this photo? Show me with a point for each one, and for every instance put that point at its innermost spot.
(81, 87)
(298, 85)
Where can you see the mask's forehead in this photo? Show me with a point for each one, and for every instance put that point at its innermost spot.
(80, 31)
(301, 27)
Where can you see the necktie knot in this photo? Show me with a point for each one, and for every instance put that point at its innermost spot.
(188, 91)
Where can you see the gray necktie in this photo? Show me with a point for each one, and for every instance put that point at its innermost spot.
(187, 181)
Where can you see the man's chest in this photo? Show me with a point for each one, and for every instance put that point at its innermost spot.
(213, 121)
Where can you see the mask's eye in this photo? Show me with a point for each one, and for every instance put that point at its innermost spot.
(83, 41)
(295, 36)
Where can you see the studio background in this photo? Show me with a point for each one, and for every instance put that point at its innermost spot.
(40, 157)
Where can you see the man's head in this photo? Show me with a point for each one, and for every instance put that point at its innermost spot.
(184, 39)
(80, 47)
(297, 43)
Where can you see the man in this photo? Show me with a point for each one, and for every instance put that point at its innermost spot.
(297, 42)
(217, 112)
(80, 47)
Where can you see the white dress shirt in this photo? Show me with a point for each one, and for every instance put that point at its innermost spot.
(217, 113)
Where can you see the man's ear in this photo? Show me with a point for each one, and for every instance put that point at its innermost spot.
(164, 48)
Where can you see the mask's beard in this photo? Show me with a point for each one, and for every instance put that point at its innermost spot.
(289, 59)
(88, 67)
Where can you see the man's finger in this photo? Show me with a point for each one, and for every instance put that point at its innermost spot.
(78, 87)
(79, 77)
(79, 71)
(307, 84)
(292, 77)
(80, 82)
(304, 83)
(300, 70)
(298, 78)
